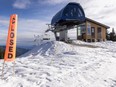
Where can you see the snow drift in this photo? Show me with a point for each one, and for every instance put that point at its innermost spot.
(57, 64)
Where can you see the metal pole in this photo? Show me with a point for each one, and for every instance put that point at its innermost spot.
(3, 70)
(13, 68)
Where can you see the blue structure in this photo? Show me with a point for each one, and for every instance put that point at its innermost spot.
(71, 14)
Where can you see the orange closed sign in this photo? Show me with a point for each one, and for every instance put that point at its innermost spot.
(10, 52)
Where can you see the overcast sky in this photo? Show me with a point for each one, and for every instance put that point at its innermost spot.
(33, 15)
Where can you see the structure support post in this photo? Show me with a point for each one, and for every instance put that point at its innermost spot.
(3, 70)
(77, 32)
(14, 68)
(2, 77)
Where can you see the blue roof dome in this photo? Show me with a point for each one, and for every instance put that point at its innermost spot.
(71, 14)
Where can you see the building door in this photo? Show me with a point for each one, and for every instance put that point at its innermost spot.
(93, 32)
(99, 33)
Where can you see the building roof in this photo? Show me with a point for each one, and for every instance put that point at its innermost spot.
(93, 21)
(72, 12)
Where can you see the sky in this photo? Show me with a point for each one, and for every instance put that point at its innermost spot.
(33, 15)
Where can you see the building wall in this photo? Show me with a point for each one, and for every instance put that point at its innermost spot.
(103, 32)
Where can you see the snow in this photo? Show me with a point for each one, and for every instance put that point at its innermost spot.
(57, 64)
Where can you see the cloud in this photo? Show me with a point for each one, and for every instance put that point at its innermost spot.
(52, 2)
(99, 10)
(102, 11)
(4, 23)
(21, 4)
(27, 28)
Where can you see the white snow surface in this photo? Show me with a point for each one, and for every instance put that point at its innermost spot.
(57, 64)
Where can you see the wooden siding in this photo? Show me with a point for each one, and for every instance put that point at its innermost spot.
(96, 26)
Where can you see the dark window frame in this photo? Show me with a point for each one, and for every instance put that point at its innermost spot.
(99, 32)
(93, 33)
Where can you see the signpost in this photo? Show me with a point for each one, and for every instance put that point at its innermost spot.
(10, 51)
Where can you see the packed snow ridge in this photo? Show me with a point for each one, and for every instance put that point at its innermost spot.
(57, 64)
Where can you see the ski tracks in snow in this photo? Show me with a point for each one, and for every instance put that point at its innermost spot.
(57, 64)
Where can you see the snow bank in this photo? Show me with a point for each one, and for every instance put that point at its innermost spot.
(57, 64)
(49, 48)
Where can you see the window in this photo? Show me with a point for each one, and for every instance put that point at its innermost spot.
(79, 31)
(80, 12)
(73, 11)
(99, 32)
(93, 29)
(66, 12)
(88, 29)
(93, 32)
(99, 29)
(83, 28)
